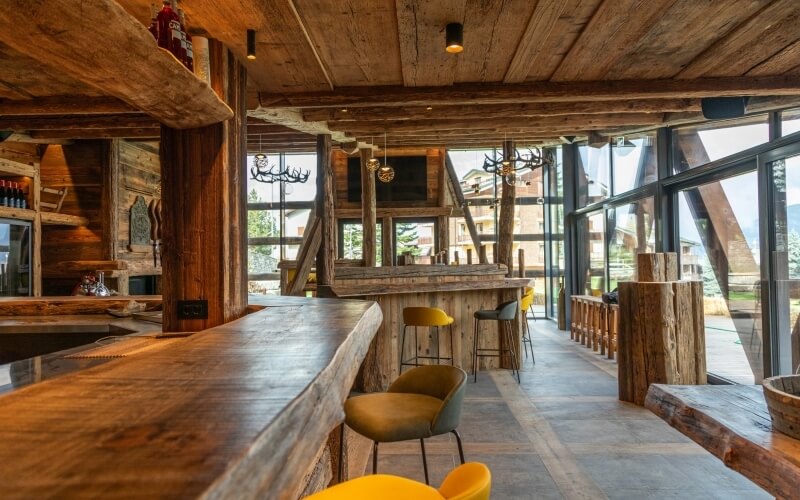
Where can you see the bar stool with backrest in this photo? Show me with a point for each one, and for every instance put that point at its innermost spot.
(423, 402)
(524, 305)
(504, 315)
(430, 317)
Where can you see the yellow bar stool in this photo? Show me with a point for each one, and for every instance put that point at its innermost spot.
(430, 317)
(471, 481)
(525, 303)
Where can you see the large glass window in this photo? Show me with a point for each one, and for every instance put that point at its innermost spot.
(630, 231)
(591, 254)
(790, 121)
(351, 238)
(417, 238)
(786, 262)
(593, 175)
(719, 240)
(634, 161)
(699, 144)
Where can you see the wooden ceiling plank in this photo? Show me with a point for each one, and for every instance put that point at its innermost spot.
(310, 43)
(784, 61)
(613, 30)
(758, 38)
(502, 110)
(534, 92)
(420, 27)
(540, 25)
(492, 31)
(65, 36)
(679, 35)
(65, 105)
(356, 51)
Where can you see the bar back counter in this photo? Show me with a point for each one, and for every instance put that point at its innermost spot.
(242, 410)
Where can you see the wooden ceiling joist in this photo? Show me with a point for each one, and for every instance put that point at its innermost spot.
(480, 112)
(64, 105)
(98, 133)
(537, 92)
(122, 61)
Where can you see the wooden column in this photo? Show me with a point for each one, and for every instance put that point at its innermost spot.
(203, 203)
(368, 211)
(444, 238)
(387, 237)
(327, 249)
(110, 200)
(506, 222)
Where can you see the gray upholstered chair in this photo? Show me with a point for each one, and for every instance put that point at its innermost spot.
(423, 402)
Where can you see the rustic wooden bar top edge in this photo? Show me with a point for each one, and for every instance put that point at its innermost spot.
(732, 422)
(226, 413)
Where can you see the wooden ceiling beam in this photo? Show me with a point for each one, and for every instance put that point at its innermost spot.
(293, 119)
(80, 122)
(483, 111)
(65, 105)
(536, 92)
(545, 123)
(122, 61)
(108, 133)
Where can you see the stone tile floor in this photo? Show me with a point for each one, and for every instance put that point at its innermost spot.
(562, 433)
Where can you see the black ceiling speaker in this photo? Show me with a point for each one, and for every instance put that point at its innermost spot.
(716, 108)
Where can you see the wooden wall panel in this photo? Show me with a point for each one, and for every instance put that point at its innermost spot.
(78, 167)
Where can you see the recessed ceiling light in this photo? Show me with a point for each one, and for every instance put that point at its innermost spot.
(344, 110)
(429, 108)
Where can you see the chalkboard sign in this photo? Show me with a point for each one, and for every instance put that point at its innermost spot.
(410, 181)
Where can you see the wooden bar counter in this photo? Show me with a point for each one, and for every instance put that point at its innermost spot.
(237, 411)
(458, 290)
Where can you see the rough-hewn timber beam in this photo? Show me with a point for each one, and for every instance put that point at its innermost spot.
(82, 122)
(65, 105)
(98, 133)
(122, 61)
(480, 112)
(538, 92)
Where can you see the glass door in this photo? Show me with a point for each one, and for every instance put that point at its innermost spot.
(785, 263)
(15, 258)
(720, 245)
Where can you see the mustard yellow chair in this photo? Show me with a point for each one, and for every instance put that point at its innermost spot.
(526, 303)
(430, 317)
(471, 481)
(423, 402)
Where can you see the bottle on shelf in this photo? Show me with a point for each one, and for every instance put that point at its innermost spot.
(23, 201)
(3, 194)
(166, 18)
(154, 20)
(189, 62)
(17, 195)
(177, 45)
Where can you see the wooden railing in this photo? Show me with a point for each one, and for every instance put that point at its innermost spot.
(595, 324)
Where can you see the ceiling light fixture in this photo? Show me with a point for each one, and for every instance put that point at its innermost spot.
(373, 164)
(251, 44)
(454, 38)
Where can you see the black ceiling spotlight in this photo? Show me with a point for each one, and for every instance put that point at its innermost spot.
(717, 108)
(251, 44)
(454, 38)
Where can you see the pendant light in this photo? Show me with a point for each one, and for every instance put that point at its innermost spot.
(385, 173)
(251, 44)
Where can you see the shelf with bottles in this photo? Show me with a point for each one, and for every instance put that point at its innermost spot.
(168, 27)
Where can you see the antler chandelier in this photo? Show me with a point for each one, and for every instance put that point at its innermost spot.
(264, 171)
(533, 159)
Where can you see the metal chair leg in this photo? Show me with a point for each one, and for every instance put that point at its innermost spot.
(460, 447)
(514, 361)
(524, 332)
(424, 460)
(374, 457)
(341, 454)
(403, 349)
(475, 324)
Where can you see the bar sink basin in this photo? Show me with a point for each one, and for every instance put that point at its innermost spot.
(27, 341)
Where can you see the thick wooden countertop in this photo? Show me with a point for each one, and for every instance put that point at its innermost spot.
(733, 423)
(236, 411)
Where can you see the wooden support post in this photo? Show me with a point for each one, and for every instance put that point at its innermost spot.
(36, 198)
(469, 256)
(482, 255)
(505, 240)
(494, 253)
(387, 235)
(367, 211)
(444, 238)
(110, 199)
(204, 213)
(325, 214)
(521, 262)
(305, 259)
